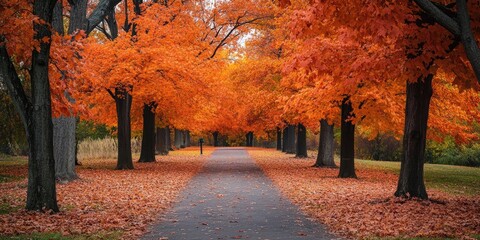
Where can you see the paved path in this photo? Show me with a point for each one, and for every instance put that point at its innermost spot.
(231, 198)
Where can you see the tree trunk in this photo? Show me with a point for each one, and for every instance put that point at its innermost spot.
(410, 182)
(123, 101)
(325, 146)
(285, 139)
(279, 139)
(178, 138)
(301, 142)
(37, 115)
(188, 140)
(64, 147)
(162, 141)
(215, 139)
(147, 153)
(290, 144)
(249, 139)
(184, 139)
(347, 145)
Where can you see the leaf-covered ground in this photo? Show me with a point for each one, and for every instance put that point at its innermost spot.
(113, 203)
(365, 207)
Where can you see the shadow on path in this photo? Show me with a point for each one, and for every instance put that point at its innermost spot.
(231, 198)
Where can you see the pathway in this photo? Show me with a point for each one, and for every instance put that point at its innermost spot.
(231, 198)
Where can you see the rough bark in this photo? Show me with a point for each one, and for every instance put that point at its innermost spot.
(215, 139)
(123, 101)
(147, 153)
(284, 139)
(325, 146)
(64, 148)
(411, 183)
(37, 114)
(301, 141)
(347, 146)
(279, 139)
(290, 143)
(78, 16)
(162, 141)
(57, 18)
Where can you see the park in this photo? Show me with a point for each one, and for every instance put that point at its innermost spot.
(228, 119)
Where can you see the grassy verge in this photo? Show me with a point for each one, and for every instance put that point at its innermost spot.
(447, 178)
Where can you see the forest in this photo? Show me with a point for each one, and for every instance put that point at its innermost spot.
(312, 89)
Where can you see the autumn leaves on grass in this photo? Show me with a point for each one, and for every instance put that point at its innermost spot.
(103, 200)
(365, 207)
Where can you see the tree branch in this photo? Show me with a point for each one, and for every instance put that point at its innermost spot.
(471, 47)
(97, 16)
(13, 83)
(442, 18)
(111, 94)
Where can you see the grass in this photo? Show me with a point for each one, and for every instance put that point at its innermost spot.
(6, 208)
(58, 236)
(7, 160)
(452, 179)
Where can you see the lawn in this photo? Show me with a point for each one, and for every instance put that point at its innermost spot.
(448, 178)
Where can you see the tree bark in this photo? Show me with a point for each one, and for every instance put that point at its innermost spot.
(163, 146)
(78, 16)
(169, 138)
(290, 145)
(285, 139)
(301, 141)
(325, 146)
(37, 114)
(411, 183)
(215, 139)
(147, 153)
(347, 145)
(178, 139)
(279, 139)
(123, 101)
(188, 141)
(64, 148)
(468, 39)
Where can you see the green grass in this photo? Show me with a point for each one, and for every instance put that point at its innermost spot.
(452, 179)
(57, 236)
(6, 208)
(7, 160)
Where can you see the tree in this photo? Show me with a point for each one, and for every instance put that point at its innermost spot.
(36, 113)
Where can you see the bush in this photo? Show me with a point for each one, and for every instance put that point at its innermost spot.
(450, 153)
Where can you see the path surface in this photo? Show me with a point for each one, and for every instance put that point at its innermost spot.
(231, 198)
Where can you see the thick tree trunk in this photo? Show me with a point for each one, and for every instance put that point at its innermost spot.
(123, 101)
(215, 139)
(37, 115)
(290, 143)
(64, 147)
(163, 146)
(325, 146)
(178, 138)
(301, 141)
(410, 182)
(147, 153)
(284, 139)
(279, 139)
(347, 147)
